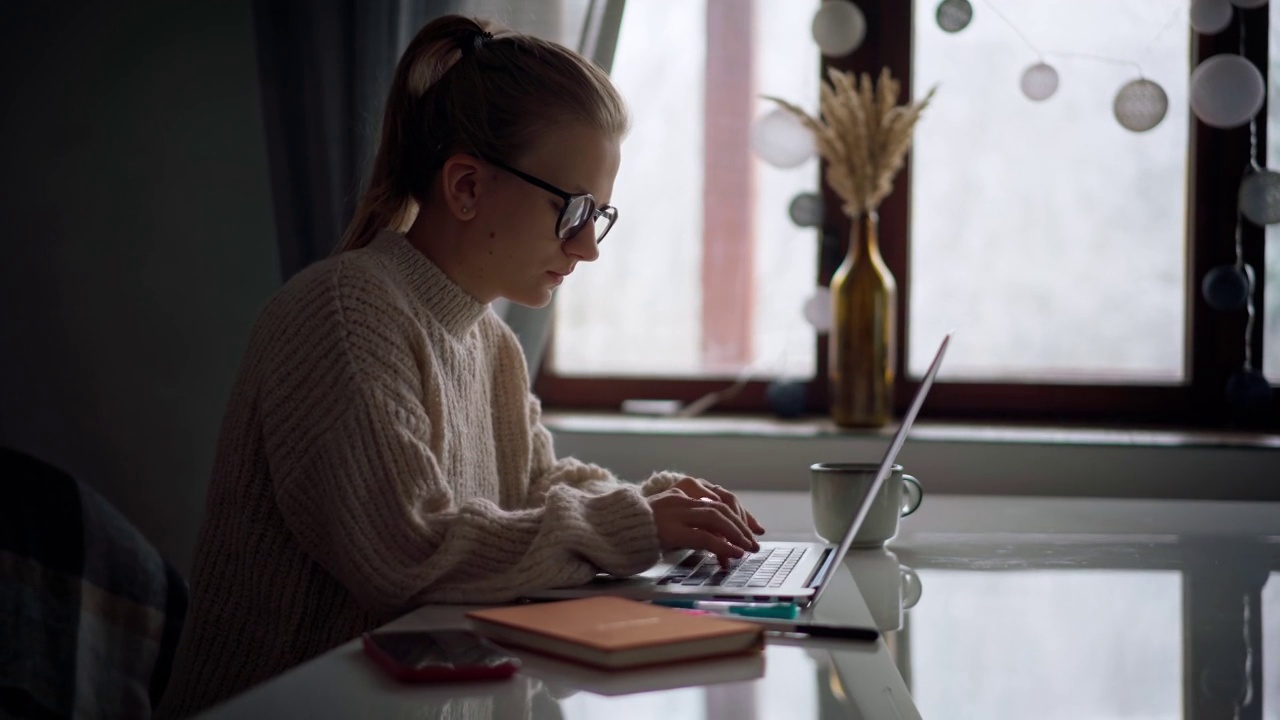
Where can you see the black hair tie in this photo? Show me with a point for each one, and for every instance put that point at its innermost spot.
(481, 38)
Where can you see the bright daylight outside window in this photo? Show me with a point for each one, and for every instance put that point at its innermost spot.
(1271, 291)
(704, 274)
(1051, 238)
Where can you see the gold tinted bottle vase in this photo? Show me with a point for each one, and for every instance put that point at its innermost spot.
(864, 300)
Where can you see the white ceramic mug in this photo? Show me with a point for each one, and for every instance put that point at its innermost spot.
(887, 586)
(837, 489)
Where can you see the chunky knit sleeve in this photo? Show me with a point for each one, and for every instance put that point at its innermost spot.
(349, 448)
(547, 470)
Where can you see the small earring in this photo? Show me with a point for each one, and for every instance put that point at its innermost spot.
(466, 210)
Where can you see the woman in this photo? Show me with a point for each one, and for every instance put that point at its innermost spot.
(381, 448)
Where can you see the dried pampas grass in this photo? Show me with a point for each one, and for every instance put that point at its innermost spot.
(863, 135)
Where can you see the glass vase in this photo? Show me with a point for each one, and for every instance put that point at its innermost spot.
(864, 301)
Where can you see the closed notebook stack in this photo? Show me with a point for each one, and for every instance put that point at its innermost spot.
(616, 633)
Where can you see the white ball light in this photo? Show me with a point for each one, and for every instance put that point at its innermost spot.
(1040, 81)
(1140, 105)
(1247, 4)
(954, 15)
(1260, 197)
(1210, 16)
(839, 27)
(779, 139)
(1226, 91)
(817, 310)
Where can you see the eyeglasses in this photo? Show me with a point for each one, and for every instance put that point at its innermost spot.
(578, 210)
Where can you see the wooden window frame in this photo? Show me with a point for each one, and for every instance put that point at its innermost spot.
(1214, 348)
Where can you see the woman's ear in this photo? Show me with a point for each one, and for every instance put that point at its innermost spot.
(461, 183)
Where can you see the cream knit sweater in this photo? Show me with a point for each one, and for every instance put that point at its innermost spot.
(381, 450)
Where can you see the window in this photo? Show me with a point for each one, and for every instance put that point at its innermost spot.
(1271, 280)
(1047, 235)
(1067, 251)
(704, 275)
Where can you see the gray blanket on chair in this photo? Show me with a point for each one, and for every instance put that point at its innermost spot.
(89, 611)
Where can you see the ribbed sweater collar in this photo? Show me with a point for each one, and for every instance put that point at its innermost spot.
(449, 304)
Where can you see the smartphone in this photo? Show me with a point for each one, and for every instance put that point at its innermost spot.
(438, 655)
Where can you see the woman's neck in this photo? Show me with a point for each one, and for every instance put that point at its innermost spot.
(437, 234)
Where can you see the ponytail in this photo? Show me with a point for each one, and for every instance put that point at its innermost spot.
(388, 202)
(464, 86)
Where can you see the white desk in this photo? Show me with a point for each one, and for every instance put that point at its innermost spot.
(1031, 607)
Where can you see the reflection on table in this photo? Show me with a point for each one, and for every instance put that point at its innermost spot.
(1146, 610)
(1024, 608)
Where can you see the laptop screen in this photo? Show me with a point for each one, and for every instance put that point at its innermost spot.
(883, 473)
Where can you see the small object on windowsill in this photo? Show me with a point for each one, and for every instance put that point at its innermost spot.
(658, 408)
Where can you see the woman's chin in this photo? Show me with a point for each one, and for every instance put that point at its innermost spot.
(533, 298)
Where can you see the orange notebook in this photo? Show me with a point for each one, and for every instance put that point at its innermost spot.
(613, 632)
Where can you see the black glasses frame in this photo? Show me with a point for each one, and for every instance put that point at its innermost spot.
(596, 211)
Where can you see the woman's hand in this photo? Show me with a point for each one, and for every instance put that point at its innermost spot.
(699, 488)
(693, 515)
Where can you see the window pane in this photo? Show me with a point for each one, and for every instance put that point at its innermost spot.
(1051, 238)
(650, 265)
(1271, 275)
(638, 309)
(787, 65)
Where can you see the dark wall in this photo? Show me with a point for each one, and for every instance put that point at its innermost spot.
(136, 242)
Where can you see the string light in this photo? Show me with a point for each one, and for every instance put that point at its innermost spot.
(1209, 17)
(955, 15)
(1225, 288)
(1260, 196)
(839, 28)
(781, 140)
(1247, 388)
(1139, 105)
(1040, 81)
(1226, 91)
(817, 309)
(806, 210)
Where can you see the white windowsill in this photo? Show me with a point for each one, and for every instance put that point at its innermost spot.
(764, 453)
(924, 430)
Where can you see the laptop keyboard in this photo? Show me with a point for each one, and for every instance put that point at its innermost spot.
(765, 569)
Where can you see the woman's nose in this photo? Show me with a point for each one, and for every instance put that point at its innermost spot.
(583, 245)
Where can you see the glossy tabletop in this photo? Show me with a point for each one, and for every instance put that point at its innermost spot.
(990, 607)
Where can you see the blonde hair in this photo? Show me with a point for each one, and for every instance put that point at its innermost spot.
(464, 85)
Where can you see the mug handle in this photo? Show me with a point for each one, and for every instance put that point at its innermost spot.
(912, 589)
(912, 494)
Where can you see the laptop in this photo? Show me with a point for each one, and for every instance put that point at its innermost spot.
(782, 571)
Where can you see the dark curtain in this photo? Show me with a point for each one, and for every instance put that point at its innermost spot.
(324, 67)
